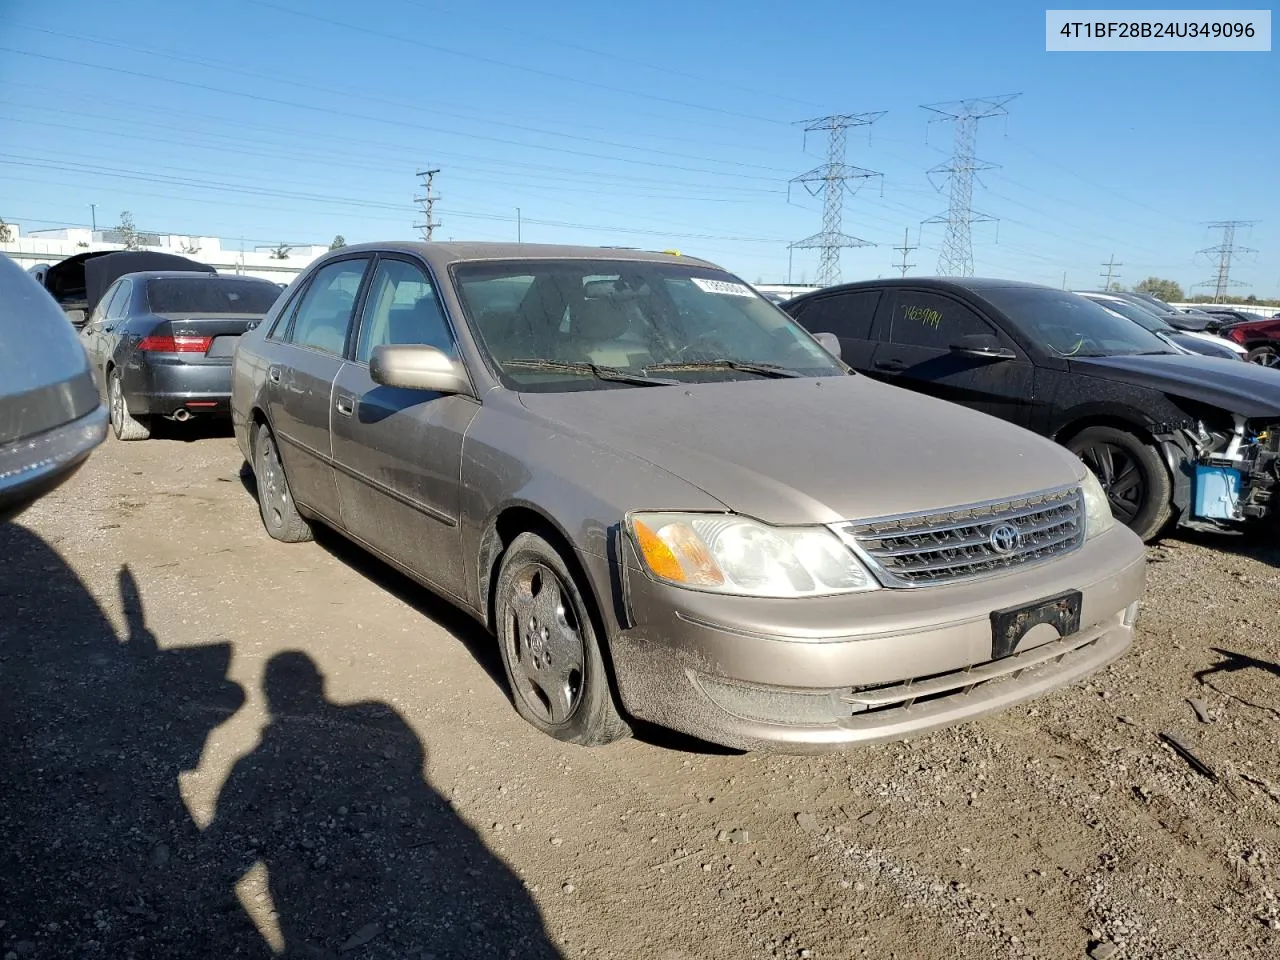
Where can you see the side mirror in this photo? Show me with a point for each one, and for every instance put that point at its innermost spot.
(829, 342)
(983, 346)
(416, 367)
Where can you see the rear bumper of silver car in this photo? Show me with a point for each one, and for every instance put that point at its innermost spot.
(32, 466)
(822, 674)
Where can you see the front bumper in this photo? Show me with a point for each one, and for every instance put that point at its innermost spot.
(34, 465)
(161, 386)
(824, 673)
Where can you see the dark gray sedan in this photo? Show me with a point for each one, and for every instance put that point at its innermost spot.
(160, 343)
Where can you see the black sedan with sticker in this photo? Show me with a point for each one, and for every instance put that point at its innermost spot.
(1175, 439)
(160, 344)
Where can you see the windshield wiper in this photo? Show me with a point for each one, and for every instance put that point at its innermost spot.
(746, 366)
(594, 369)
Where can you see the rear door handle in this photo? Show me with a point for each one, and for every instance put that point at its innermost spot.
(345, 405)
(273, 374)
(891, 366)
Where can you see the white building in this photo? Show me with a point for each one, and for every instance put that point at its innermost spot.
(33, 248)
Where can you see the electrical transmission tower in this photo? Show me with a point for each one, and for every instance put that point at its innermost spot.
(428, 201)
(832, 179)
(1110, 276)
(906, 248)
(956, 258)
(1224, 252)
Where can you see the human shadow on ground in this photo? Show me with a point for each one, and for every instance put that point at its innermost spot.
(1234, 661)
(361, 858)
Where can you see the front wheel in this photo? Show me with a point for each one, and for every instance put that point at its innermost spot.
(550, 649)
(1267, 355)
(1134, 478)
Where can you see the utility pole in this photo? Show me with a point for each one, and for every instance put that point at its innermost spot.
(1064, 279)
(1224, 253)
(831, 179)
(93, 213)
(956, 258)
(906, 248)
(519, 231)
(428, 201)
(1110, 276)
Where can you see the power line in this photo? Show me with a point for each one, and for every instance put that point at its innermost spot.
(1110, 276)
(906, 248)
(1225, 251)
(428, 202)
(832, 180)
(956, 258)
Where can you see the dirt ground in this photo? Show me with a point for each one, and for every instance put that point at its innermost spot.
(215, 745)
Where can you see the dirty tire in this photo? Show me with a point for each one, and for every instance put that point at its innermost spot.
(550, 648)
(1132, 474)
(279, 513)
(124, 425)
(1267, 355)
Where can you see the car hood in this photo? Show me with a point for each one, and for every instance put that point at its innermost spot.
(815, 450)
(1244, 388)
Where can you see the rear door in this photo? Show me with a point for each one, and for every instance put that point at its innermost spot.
(848, 314)
(398, 453)
(917, 328)
(301, 367)
(91, 334)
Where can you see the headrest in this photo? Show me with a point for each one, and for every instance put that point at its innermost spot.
(598, 320)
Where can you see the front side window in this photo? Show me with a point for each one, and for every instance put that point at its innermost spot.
(1067, 325)
(639, 318)
(402, 308)
(923, 319)
(324, 315)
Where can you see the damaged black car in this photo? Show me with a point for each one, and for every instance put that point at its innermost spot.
(1174, 439)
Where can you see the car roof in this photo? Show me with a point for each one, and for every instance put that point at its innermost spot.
(440, 254)
(976, 285)
(187, 274)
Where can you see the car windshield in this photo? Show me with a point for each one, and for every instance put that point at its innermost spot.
(1131, 311)
(1068, 325)
(553, 325)
(234, 295)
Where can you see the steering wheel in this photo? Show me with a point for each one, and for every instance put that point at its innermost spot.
(1064, 341)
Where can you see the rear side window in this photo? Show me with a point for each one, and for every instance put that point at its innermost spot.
(324, 315)
(402, 309)
(211, 295)
(923, 319)
(119, 305)
(847, 315)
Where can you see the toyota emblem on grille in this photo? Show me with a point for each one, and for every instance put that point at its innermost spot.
(1004, 538)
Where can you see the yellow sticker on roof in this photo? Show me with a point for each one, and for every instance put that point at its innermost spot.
(722, 287)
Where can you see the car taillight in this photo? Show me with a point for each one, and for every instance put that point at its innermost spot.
(176, 344)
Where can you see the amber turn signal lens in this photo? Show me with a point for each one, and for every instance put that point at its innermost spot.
(657, 555)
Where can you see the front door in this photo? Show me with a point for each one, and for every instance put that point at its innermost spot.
(398, 453)
(848, 314)
(301, 368)
(916, 330)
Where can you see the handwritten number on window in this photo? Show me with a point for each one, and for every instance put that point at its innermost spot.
(925, 315)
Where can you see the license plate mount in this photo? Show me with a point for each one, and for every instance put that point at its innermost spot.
(1010, 625)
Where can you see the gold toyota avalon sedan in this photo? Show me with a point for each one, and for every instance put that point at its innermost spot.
(670, 503)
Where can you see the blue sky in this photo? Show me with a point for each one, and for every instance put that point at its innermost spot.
(657, 126)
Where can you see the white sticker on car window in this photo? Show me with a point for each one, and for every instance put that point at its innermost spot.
(722, 287)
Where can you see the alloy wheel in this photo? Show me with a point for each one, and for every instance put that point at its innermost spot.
(1121, 478)
(545, 645)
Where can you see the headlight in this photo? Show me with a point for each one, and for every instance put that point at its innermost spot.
(723, 553)
(1098, 518)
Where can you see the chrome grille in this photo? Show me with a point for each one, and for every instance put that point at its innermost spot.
(965, 543)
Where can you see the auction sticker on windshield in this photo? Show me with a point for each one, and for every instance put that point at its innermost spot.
(722, 287)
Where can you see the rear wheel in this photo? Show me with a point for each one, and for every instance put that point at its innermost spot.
(1133, 476)
(124, 425)
(1267, 355)
(550, 649)
(279, 513)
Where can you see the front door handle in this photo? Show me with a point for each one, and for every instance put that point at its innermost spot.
(345, 405)
(891, 366)
(273, 374)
